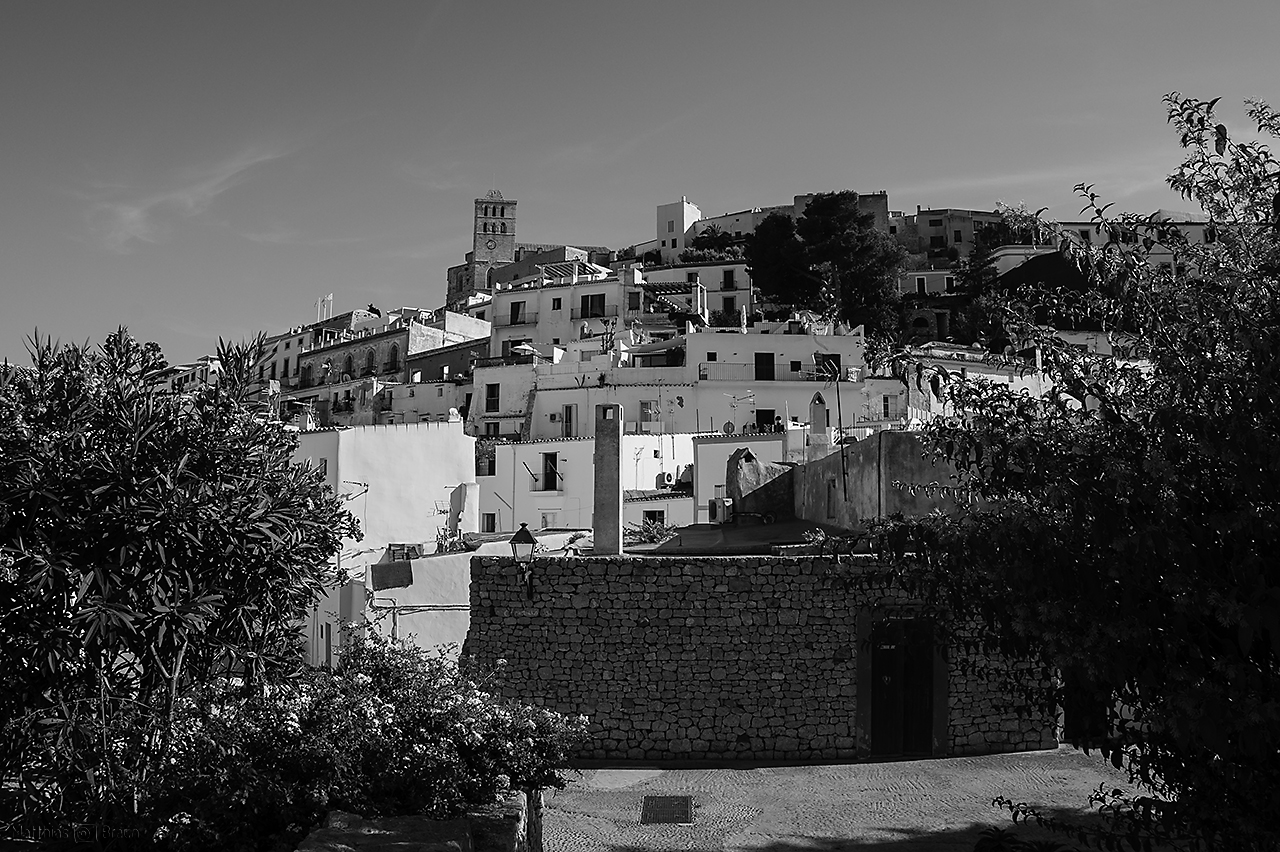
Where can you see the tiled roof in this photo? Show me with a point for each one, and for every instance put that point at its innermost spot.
(640, 495)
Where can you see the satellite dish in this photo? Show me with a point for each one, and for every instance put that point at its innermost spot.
(728, 427)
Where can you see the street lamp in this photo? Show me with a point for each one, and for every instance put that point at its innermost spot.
(522, 545)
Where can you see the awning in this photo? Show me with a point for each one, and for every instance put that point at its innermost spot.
(657, 346)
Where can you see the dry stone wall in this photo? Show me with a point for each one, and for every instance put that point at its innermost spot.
(714, 658)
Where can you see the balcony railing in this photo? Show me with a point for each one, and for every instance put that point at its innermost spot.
(546, 482)
(526, 318)
(607, 311)
(716, 371)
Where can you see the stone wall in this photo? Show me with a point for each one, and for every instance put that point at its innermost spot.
(717, 658)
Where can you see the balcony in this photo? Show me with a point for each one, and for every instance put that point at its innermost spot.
(607, 311)
(526, 318)
(717, 371)
(546, 483)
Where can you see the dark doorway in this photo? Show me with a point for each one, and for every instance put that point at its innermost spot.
(1085, 706)
(764, 366)
(902, 656)
(764, 419)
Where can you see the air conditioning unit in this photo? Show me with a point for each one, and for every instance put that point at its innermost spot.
(720, 510)
(631, 427)
(853, 374)
(555, 417)
(665, 480)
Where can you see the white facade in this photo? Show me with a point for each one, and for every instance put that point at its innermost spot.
(550, 483)
(674, 227)
(402, 483)
(728, 284)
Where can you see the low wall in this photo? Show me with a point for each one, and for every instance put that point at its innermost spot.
(718, 658)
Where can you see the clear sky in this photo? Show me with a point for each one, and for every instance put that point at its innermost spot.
(193, 170)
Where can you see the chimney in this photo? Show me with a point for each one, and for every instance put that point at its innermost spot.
(607, 521)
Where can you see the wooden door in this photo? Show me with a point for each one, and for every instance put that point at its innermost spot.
(902, 661)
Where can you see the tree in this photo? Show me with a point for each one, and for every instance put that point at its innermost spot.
(1127, 529)
(149, 542)
(831, 260)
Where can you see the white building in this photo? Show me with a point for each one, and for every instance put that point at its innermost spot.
(550, 483)
(403, 483)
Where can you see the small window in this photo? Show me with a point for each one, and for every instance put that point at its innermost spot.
(655, 516)
(439, 393)
(957, 236)
(893, 229)
(671, 226)
(1210, 235)
(322, 467)
(286, 345)
(491, 428)
(730, 304)
(502, 227)
(555, 341)
(935, 223)
(1085, 236)
(491, 396)
(664, 243)
(691, 277)
(795, 366)
(937, 242)
(921, 284)
(557, 303)
(951, 283)
(633, 301)
(711, 356)
(488, 522)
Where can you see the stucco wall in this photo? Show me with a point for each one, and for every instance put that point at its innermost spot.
(878, 469)
(715, 658)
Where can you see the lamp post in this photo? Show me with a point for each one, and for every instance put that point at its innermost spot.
(522, 545)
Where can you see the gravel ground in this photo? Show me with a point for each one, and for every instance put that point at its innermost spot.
(902, 806)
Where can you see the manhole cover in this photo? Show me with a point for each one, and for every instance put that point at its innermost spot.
(676, 810)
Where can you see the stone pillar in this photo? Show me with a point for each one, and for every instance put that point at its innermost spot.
(607, 522)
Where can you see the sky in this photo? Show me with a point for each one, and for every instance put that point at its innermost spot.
(197, 170)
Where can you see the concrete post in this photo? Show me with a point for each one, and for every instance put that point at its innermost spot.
(607, 523)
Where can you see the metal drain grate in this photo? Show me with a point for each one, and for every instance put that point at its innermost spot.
(675, 810)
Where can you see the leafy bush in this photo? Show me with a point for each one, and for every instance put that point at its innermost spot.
(396, 730)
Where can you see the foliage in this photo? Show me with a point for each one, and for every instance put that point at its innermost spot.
(1127, 526)
(724, 319)
(831, 260)
(396, 730)
(711, 245)
(648, 532)
(150, 541)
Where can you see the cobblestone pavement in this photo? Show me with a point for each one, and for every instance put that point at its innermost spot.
(903, 806)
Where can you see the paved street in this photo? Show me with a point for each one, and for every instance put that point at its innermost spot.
(906, 806)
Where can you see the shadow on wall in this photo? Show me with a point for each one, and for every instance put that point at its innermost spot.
(759, 487)
(870, 479)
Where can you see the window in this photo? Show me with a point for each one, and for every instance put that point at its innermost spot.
(261, 372)
(349, 366)
(273, 369)
(937, 242)
(633, 300)
(671, 226)
(502, 211)
(649, 412)
(795, 366)
(921, 284)
(1085, 236)
(322, 466)
(711, 356)
(550, 520)
(957, 236)
(664, 243)
(479, 314)
(285, 369)
(491, 428)
(655, 516)
(368, 363)
(675, 243)
(393, 361)
(486, 227)
(488, 522)
(557, 303)
(893, 229)
(555, 341)
(950, 281)
(737, 235)
(888, 405)
(439, 392)
(1210, 235)
(691, 278)
(491, 393)
(486, 466)
(502, 227)
(935, 223)
(728, 282)
(593, 305)
(730, 304)
(550, 472)
(286, 344)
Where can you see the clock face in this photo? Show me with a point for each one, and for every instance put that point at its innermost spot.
(491, 245)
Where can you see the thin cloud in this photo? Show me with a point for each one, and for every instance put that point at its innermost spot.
(282, 236)
(119, 224)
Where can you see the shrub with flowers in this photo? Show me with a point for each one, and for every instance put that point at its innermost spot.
(396, 730)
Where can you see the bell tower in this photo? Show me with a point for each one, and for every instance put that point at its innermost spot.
(494, 240)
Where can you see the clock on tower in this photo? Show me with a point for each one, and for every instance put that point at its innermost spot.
(494, 241)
